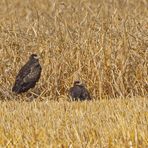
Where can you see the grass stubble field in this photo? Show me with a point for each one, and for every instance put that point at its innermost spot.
(103, 43)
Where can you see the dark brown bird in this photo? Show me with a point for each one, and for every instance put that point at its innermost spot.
(79, 92)
(28, 75)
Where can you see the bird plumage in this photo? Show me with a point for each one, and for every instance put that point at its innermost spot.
(28, 75)
(79, 92)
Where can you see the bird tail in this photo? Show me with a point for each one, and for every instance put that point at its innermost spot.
(15, 89)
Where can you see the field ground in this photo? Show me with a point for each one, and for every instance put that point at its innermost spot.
(103, 43)
(104, 123)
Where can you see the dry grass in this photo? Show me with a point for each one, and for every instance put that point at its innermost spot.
(105, 123)
(103, 43)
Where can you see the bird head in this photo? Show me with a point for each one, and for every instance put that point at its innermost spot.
(77, 83)
(34, 56)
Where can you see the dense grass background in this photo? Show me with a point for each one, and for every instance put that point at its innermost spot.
(103, 43)
(106, 123)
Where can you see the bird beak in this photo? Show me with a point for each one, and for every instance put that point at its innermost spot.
(80, 83)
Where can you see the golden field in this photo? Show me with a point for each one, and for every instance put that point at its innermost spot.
(105, 123)
(103, 43)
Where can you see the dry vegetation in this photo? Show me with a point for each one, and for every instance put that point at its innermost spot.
(105, 123)
(104, 43)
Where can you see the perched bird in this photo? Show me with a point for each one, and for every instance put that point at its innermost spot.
(79, 92)
(28, 75)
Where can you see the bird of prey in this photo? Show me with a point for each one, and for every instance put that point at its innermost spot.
(79, 92)
(28, 75)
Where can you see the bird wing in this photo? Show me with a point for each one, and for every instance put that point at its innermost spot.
(33, 74)
(29, 73)
(85, 93)
(25, 70)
